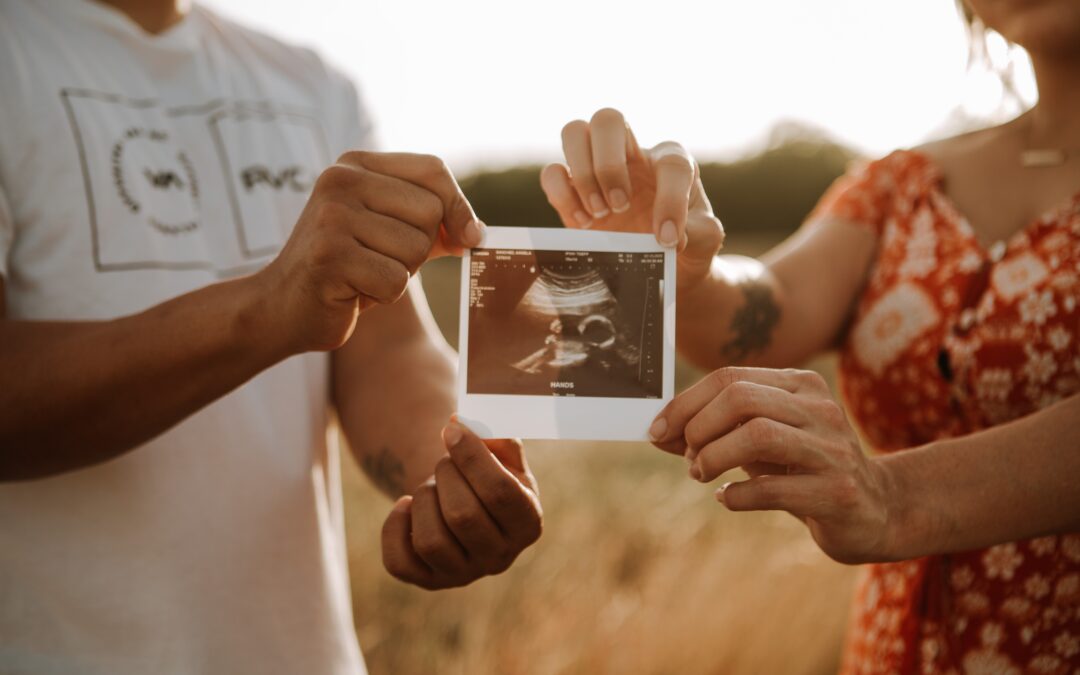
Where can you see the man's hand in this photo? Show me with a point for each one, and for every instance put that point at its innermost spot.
(471, 519)
(371, 221)
(610, 183)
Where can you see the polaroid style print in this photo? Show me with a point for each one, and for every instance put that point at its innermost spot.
(142, 189)
(566, 334)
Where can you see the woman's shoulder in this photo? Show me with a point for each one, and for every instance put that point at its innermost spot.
(961, 153)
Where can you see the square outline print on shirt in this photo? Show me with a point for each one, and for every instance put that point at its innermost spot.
(145, 191)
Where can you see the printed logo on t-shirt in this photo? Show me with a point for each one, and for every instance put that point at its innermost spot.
(214, 186)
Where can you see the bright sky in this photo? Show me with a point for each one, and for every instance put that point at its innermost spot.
(491, 82)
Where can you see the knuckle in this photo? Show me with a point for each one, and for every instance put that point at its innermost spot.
(461, 519)
(761, 431)
(845, 490)
(427, 545)
(740, 396)
(675, 161)
(694, 434)
(713, 231)
(609, 172)
(574, 129)
(830, 412)
(431, 211)
(810, 380)
(393, 278)
(335, 178)
(608, 116)
(584, 179)
(722, 378)
(354, 157)
(503, 496)
(433, 165)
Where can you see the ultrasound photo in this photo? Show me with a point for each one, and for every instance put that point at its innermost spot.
(566, 323)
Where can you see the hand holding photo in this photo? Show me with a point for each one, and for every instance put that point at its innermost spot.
(566, 334)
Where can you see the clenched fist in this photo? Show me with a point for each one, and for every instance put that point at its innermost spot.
(471, 519)
(372, 220)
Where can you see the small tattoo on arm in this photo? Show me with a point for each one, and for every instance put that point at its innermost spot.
(385, 470)
(753, 323)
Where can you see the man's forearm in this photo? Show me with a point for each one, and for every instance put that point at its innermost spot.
(1009, 482)
(79, 393)
(393, 386)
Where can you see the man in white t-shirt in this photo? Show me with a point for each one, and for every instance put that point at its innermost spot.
(175, 263)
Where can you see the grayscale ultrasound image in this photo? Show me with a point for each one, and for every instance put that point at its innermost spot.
(566, 323)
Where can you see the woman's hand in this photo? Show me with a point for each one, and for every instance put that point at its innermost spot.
(611, 183)
(784, 428)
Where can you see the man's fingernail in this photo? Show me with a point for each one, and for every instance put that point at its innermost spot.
(583, 219)
(619, 202)
(451, 435)
(669, 236)
(691, 453)
(695, 472)
(658, 428)
(599, 208)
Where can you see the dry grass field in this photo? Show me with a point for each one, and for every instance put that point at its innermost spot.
(639, 570)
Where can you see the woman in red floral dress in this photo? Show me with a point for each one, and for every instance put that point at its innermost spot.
(949, 279)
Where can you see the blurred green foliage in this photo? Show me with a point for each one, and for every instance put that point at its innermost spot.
(770, 191)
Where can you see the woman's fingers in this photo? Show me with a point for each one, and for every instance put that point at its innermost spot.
(608, 138)
(563, 197)
(803, 496)
(671, 423)
(577, 148)
(742, 402)
(675, 176)
(761, 440)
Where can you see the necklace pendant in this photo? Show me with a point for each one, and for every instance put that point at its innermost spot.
(1042, 158)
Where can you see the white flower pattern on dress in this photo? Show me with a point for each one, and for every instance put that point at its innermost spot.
(1036, 308)
(1001, 561)
(1013, 277)
(889, 328)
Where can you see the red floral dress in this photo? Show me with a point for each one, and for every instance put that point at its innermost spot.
(950, 338)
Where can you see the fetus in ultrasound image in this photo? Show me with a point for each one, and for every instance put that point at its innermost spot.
(565, 323)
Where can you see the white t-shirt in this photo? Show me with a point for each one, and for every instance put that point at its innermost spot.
(135, 168)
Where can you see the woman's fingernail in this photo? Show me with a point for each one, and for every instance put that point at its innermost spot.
(596, 203)
(720, 493)
(658, 428)
(583, 219)
(695, 472)
(451, 435)
(619, 202)
(669, 236)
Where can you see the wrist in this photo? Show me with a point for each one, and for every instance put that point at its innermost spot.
(913, 519)
(258, 324)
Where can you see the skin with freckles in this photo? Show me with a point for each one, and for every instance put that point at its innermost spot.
(782, 426)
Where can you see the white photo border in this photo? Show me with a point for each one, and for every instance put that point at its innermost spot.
(565, 417)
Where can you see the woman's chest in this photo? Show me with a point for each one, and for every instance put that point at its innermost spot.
(950, 337)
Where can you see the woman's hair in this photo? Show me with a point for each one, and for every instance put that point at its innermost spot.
(979, 54)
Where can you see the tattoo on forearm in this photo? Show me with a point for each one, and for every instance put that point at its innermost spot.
(753, 323)
(385, 470)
